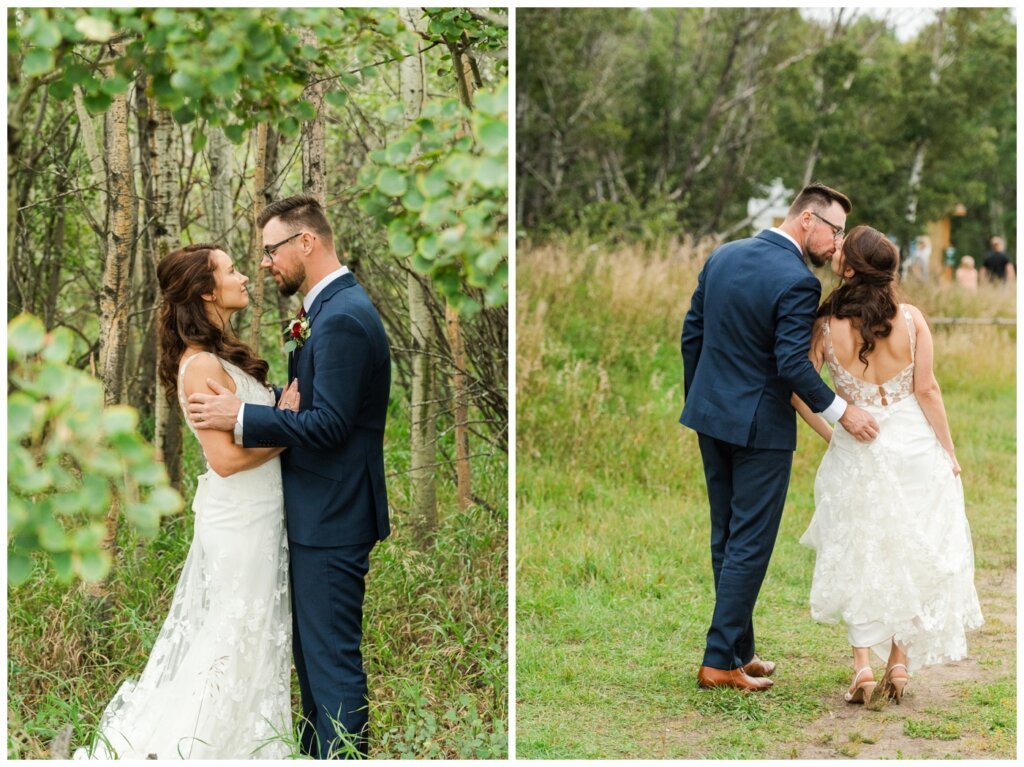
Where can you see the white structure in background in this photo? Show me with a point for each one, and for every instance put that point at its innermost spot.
(771, 211)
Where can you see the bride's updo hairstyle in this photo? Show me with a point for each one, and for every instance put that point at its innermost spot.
(870, 298)
(184, 277)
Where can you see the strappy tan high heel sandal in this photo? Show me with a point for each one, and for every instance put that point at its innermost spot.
(890, 688)
(861, 692)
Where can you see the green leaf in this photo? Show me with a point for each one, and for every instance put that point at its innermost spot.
(165, 501)
(305, 111)
(77, 73)
(62, 565)
(391, 182)
(20, 415)
(435, 213)
(428, 246)
(61, 89)
(433, 184)
(95, 492)
(59, 346)
(394, 113)
(288, 126)
(118, 419)
(336, 98)
(97, 103)
(25, 335)
(235, 132)
(92, 28)
(400, 242)
(493, 136)
(488, 261)
(19, 567)
(150, 474)
(115, 85)
(412, 200)
(183, 115)
(52, 536)
(492, 173)
(225, 84)
(38, 61)
(93, 565)
(55, 380)
(198, 141)
(46, 34)
(87, 396)
(492, 104)
(397, 152)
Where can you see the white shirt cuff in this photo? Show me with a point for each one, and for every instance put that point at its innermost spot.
(832, 413)
(238, 424)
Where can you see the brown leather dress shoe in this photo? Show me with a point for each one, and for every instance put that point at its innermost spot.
(708, 677)
(759, 668)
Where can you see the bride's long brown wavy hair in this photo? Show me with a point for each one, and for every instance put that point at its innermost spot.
(184, 276)
(871, 297)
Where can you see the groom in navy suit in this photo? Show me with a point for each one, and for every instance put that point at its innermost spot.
(744, 343)
(333, 471)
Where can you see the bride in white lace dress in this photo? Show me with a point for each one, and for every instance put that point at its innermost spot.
(894, 557)
(217, 683)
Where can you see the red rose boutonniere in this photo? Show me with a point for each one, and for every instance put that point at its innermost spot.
(297, 333)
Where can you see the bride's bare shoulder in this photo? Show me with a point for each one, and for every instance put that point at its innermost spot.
(200, 366)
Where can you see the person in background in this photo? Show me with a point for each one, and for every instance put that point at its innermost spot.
(966, 274)
(997, 266)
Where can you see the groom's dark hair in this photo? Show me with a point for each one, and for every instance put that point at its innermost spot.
(819, 196)
(301, 209)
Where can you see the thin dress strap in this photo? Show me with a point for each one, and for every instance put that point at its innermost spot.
(910, 329)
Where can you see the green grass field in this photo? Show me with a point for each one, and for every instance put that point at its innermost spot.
(435, 625)
(614, 587)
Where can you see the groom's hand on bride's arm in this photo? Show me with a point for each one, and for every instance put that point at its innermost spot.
(860, 423)
(214, 411)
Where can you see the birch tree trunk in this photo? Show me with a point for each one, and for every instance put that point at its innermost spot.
(259, 183)
(423, 427)
(120, 241)
(938, 63)
(165, 231)
(219, 157)
(314, 178)
(464, 71)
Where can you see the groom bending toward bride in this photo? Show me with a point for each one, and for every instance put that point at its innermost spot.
(744, 344)
(333, 470)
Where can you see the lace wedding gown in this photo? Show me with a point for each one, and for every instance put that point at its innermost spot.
(217, 684)
(894, 556)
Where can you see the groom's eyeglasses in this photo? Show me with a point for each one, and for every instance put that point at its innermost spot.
(837, 231)
(268, 250)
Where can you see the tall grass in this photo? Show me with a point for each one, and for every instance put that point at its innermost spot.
(614, 584)
(435, 625)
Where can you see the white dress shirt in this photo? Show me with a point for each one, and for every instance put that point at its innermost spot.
(307, 303)
(834, 411)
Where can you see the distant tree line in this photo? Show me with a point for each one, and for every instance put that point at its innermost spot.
(635, 122)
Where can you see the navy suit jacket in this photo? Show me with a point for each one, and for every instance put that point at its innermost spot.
(333, 471)
(745, 341)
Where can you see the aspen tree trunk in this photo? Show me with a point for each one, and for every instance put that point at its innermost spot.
(219, 157)
(314, 178)
(259, 183)
(122, 226)
(464, 71)
(922, 145)
(166, 237)
(423, 429)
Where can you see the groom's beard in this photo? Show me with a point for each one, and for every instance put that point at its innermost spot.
(290, 283)
(818, 259)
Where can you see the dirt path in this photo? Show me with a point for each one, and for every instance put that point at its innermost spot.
(852, 732)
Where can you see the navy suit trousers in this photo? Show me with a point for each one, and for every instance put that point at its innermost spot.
(747, 492)
(328, 586)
